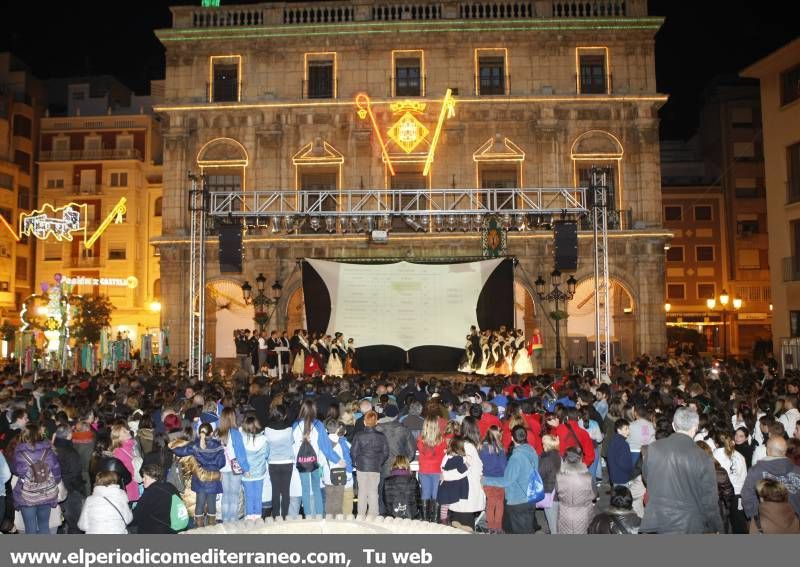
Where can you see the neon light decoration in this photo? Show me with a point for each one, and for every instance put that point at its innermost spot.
(41, 224)
(407, 132)
(45, 222)
(130, 282)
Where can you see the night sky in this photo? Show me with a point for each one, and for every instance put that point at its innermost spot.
(699, 40)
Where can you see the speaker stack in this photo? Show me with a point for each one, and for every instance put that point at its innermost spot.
(565, 235)
(230, 248)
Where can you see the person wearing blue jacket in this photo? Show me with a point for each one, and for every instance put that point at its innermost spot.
(309, 428)
(236, 464)
(206, 479)
(519, 514)
(620, 463)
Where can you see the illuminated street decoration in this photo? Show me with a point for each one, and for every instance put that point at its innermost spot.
(8, 227)
(59, 222)
(130, 282)
(407, 132)
(62, 222)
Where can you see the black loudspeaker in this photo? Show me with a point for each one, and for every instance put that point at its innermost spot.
(230, 248)
(565, 234)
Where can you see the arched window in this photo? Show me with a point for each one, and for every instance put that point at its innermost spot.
(157, 289)
(157, 207)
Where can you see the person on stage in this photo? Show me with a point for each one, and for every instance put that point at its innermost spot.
(475, 339)
(299, 348)
(283, 342)
(487, 364)
(498, 354)
(253, 347)
(312, 363)
(323, 350)
(263, 350)
(335, 365)
(522, 360)
(272, 356)
(536, 350)
(351, 363)
(468, 359)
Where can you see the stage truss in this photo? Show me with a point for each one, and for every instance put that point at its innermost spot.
(422, 209)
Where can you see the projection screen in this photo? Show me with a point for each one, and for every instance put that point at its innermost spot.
(403, 304)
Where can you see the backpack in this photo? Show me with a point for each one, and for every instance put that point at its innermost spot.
(535, 487)
(178, 514)
(40, 487)
(306, 457)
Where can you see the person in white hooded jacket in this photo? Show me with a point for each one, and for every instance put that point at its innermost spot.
(106, 511)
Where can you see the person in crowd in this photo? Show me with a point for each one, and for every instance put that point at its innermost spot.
(576, 493)
(369, 451)
(735, 466)
(401, 490)
(310, 442)
(413, 420)
(106, 510)
(123, 447)
(338, 481)
(209, 456)
(236, 464)
(725, 492)
(775, 514)
(775, 466)
(518, 515)
(493, 457)
(5, 476)
(400, 439)
(71, 475)
(465, 510)
(571, 434)
(619, 519)
(790, 415)
(455, 485)
(431, 447)
(620, 463)
(642, 432)
(152, 514)
(280, 457)
(255, 448)
(36, 466)
(681, 482)
(744, 445)
(549, 467)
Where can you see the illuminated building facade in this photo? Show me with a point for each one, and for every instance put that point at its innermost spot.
(22, 103)
(100, 199)
(348, 95)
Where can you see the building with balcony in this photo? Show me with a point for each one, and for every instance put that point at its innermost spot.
(541, 91)
(22, 104)
(779, 74)
(714, 200)
(93, 161)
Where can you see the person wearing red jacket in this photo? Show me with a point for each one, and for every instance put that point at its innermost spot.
(570, 434)
(485, 418)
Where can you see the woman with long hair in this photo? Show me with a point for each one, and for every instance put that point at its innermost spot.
(576, 493)
(255, 446)
(123, 447)
(35, 497)
(280, 458)
(236, 463)
(735, 465)
(549, 467)
(493, 456)
(310, 442)
(725, 492)
(209, 455)
(431, 446)
(466, 509)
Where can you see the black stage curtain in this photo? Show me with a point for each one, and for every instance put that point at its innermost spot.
(495, 308)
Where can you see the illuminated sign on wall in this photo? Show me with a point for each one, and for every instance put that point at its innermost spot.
(59, 222)
(131, 281)
(407, 132)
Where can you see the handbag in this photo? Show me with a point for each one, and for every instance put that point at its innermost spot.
(236, 468)
(546, 502)
(339, 477)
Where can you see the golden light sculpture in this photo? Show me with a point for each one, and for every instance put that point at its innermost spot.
(448, 110)
(46, 222)
(408, 132)
(116, 215)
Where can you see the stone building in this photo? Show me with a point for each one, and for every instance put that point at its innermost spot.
(263, 97)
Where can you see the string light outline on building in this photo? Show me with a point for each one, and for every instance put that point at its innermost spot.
(364, 105)
(43, 223)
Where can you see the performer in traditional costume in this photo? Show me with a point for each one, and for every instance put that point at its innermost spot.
(536, 350)
(487, 364)
(283, 342)
(351, 362)
(335, 365)
(312, 359)
(498, 354)
(299, 347)
(522, 360)
(468, 359)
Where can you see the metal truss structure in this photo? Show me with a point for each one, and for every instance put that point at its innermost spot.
(420, 208)
(198, 203)
(602, 281)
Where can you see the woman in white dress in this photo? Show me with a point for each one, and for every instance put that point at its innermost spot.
(486, 359)
(299, 361)
(522, 361)
(335, 365)
(469, 357)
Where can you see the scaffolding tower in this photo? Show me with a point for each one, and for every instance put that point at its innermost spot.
(602, 292)
(198, 207)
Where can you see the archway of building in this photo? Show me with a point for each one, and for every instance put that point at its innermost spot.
(580, 324)
(226, 311)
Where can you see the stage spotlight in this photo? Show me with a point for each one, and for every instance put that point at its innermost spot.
(413, 224)
(369, 224)
(288, 223)
(276, 225)
(314, 224)
(465, 223)
(451, 222)
(330, 224)
(355, 224)
(386, 222)
(479, 221)
(438, 221)
(506, 221)
(519, 222)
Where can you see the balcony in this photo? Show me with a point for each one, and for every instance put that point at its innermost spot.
(90, 155)
(81, 262)
(791, 269)
(312, 13)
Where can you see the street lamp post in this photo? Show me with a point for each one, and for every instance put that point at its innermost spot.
(724, 300)
(556, 295)
(264, 305)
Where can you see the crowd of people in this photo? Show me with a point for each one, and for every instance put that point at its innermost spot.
(678, 445)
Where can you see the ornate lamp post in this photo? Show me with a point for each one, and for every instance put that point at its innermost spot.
(556, 295)
(264, 305)
(724, 300)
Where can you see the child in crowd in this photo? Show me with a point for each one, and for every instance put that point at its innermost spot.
(209, 455)
(106, 511)
(451, 491)
(338, 481)
(400, 490)
(494, 461)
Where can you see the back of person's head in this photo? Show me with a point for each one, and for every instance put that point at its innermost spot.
(550, 443)
(770, 490)
(250, 425)
(32, 434)
(456, 446)
(153, 470)
(106, 478)
(520, 435)
(573, 455)
(621, 498)
(401, 463)
(476, 411)
(63, 432)
(620, 423)
(371, 419)
(705, 448)
(776, 446)
(685, 420)
(205, 430)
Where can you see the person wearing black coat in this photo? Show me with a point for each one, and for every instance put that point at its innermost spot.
(369, 451)
(620, 518)
(400, 491)
(72, 475)
(152, 512)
